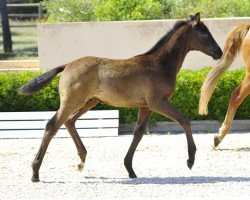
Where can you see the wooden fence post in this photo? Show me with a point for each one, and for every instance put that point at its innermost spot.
(40, 13)
(7, 41)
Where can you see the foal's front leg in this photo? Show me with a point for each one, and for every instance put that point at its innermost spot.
(142, 120)
(165, 108)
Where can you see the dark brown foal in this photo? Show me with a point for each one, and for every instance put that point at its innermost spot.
(146, 81)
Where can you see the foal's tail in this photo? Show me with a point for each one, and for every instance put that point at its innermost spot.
(231, 48)
(39, 82)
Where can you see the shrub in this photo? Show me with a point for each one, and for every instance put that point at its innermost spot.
(185, 97)
(10, 100)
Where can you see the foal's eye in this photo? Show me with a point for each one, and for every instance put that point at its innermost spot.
(204, 36)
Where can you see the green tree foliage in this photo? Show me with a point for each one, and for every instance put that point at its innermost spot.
(69, 10)
(121, 10)
(212, 8)
(106, 10)
(110, 10)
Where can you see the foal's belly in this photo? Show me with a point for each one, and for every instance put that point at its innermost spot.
(121, 94)
(120, 99)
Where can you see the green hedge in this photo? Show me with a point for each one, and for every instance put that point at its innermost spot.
(186, 96)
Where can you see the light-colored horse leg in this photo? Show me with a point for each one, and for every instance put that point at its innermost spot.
(166, 109)
(70, 125)
(50, 131)
(142, 120)
(237, 97)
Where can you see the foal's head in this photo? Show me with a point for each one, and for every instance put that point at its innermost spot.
(201, 38)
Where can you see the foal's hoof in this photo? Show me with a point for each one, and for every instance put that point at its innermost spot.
(216, 141)
(80, 166)
(132, 175)
(35, 179)
(190, 164)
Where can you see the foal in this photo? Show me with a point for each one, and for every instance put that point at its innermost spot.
(146, 81)
(238, 38)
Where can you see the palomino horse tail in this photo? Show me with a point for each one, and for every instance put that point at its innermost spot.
(231, 48)
(39, 82)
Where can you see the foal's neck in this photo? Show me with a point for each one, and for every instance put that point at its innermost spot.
(174, 51)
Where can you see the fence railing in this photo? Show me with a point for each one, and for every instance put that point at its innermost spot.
(39, 13)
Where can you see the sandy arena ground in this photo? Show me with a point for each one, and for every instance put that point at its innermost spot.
(160, 164)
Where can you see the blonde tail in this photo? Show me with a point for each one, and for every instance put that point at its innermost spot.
(231, 48)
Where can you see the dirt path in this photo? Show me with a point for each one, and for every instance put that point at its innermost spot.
(160, 164)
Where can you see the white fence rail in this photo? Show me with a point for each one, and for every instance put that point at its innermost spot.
(32, 124)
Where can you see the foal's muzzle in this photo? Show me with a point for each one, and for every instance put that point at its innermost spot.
(217, 54)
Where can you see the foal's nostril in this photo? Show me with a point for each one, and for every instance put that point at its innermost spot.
(218, 54)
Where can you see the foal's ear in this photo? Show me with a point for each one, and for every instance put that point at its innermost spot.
(196, 19)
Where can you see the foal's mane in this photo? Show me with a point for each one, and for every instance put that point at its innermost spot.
(168, 35)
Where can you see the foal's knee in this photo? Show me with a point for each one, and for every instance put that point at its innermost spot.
(185, 123)
(139, 129)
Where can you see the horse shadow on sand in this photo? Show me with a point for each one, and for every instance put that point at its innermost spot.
(164, 180)
(242, 149)
(180, 180)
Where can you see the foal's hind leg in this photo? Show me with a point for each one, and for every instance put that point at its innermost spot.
(237, 97)
(70, 125)
(50, 131)
(142, 120)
